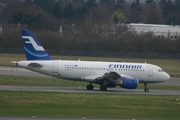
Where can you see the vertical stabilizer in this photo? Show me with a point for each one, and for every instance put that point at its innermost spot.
(33, 49)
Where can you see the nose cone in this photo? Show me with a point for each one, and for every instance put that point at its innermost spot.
(166, 77)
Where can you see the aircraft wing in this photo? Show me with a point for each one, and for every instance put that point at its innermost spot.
(111, 76)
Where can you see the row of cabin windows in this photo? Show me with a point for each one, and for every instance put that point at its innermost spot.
(125, 69)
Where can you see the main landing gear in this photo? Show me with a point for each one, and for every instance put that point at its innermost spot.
(103, 88)
(91, 87)
(146, 89)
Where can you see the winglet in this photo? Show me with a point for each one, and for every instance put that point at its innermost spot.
(33, 49)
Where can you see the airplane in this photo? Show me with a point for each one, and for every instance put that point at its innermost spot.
(106, 74)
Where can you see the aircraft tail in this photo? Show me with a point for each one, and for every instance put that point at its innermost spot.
(33, 49)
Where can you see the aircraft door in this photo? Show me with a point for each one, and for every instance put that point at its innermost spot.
(55, 67)
(150, 71)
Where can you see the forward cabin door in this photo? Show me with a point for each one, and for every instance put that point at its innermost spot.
(150, 71)
(55, 67)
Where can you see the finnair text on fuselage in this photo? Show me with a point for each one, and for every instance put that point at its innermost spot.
(125, 66)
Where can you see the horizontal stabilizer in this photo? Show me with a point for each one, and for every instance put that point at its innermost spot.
(35, 65)
(15, 62)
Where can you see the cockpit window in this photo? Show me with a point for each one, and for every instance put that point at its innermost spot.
(160, 70)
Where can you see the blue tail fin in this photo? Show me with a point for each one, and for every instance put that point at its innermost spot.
(33, 49)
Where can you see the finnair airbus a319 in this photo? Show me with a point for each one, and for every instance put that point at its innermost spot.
(106, 74)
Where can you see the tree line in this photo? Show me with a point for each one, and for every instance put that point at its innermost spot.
(110, 46)
(44, 17)
(49, 14)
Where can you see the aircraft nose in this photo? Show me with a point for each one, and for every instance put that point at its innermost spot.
(166, 76)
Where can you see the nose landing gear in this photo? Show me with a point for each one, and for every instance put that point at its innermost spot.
(146, 89)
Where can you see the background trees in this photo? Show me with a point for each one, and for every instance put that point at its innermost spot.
(95, 21)
(165, 12)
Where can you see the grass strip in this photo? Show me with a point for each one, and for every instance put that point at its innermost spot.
(75, 105)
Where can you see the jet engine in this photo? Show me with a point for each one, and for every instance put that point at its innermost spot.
(128, 83)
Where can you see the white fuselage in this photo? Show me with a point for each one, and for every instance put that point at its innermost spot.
(89, 70)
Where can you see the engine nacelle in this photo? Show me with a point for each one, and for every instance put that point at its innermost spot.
(128, 83)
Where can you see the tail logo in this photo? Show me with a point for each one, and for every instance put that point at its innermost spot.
(34, 44)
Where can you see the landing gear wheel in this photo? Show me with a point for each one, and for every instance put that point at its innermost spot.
(146, 90)
(103, 88)
(89, 87)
